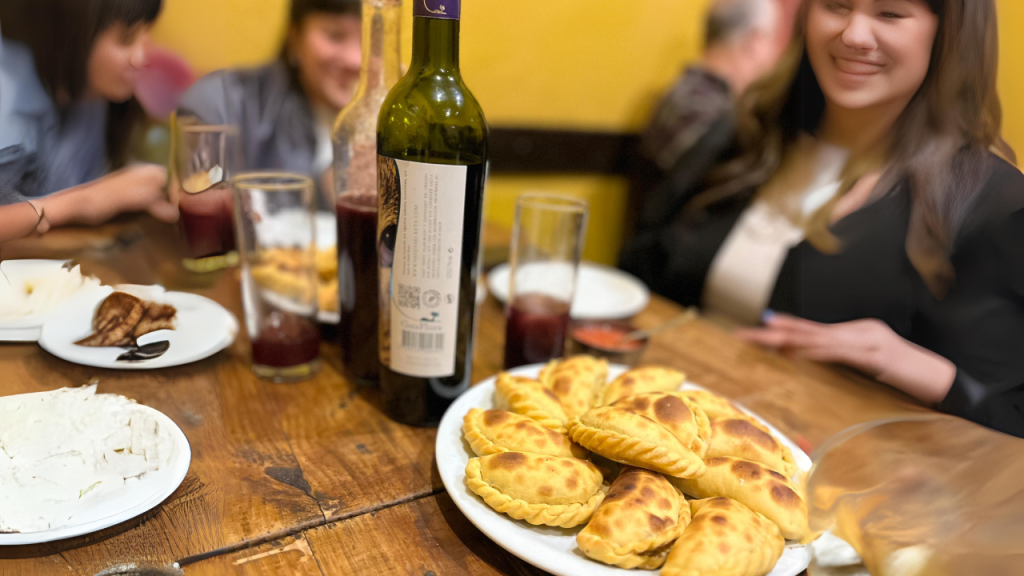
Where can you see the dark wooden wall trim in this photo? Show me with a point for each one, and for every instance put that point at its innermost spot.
(527, 150)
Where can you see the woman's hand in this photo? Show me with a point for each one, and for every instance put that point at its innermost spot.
(138, 188)
(868, 345)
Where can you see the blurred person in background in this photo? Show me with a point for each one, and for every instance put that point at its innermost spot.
(694, 123)
(68, 70)
(871, 216)
(286, 109)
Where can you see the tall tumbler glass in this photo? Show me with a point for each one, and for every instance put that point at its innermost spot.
(205, 159)
(546, 243)
(274, 216)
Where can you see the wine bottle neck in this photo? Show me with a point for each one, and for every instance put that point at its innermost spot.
(435, 44)
(381, 67)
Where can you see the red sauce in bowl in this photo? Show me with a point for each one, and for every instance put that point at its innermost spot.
(605, 337)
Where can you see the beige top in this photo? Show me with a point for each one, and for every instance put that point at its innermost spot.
(744, 271)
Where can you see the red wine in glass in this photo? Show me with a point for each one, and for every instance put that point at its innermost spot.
(537, 325)
(206, 220)
(358, 285)
(286, 340)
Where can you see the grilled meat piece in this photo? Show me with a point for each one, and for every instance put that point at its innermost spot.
(115, 321)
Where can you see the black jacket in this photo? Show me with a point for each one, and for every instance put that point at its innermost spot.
(978, 325)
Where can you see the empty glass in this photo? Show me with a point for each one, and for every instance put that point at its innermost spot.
(547, 240)
(274, 215)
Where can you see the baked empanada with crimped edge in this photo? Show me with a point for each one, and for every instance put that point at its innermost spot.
(635, 526)
(740, 438)
(576, 381)
(757, 487)
(725, 538)
(714, 405)
(546, 490)
(529, 398)
(641, 381)
(659, 431)
(495, 431)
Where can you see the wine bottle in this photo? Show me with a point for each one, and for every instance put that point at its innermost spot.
(355, 186)
(431, 154)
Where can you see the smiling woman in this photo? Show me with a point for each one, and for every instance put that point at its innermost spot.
(871, 200)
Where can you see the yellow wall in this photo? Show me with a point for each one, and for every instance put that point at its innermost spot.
(577, 64)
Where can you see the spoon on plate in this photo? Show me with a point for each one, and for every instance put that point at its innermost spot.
(691, 313)
(149, 351)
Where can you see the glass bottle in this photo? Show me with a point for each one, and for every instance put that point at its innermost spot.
(354, 137)
(432, 154)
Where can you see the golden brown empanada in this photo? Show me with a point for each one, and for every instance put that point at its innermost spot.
(641, 381)
(546, 490)
(725, 539)
(576, 381)
(637, 523)
(740, 438)
(529, 398)
(495, 431)
(660, 431)
(761, 489)
(714, 406)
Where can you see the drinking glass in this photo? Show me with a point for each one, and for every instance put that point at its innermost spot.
(358, 284)
(546, 243)
(274, 215)
(205, 158)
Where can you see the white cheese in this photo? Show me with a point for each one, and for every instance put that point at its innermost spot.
(59, 448)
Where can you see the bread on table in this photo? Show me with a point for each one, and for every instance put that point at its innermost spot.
(740, 438)
(528, 397)
(641, 381)
(576, 381)
(547, 490)
(635, 526)
(495, 431)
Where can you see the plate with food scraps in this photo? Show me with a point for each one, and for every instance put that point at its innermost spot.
(201, 328)
(75, 462)
(555, 549)
(31, 289)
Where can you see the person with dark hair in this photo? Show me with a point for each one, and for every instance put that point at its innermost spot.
(67, 77)
(693, 124)
(286, 109)
(871, 215)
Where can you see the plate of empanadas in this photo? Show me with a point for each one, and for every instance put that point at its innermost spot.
(587, 469)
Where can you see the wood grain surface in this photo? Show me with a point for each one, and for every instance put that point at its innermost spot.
(310, 478)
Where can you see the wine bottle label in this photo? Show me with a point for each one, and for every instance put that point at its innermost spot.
(420, 221)
(443, 9)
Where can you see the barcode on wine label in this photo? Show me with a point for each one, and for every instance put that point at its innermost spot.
(422, 340)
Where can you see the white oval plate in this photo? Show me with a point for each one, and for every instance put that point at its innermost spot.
(602, 292)
(202, 329)
(553, 549)
(137, 497)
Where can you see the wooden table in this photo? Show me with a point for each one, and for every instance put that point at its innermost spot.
(311, 478)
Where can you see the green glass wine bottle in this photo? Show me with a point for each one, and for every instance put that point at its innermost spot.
(431, 164)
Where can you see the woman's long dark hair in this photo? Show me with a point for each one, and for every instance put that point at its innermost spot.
(938, 147)
(300, 9)
(61, 34)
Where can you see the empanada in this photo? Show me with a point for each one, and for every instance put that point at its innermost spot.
(761, 489)
(725, 539)
(640, 381)
(659, 431)
(637, 523)
(576, 381)
(529, 398)
(740, 438)
(546, 490)
(495, 431)
(714, 406)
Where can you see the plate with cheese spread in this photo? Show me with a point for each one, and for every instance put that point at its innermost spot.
(75, 461)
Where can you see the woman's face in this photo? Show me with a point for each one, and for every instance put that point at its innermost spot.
(868, 53)
(117, 56)
(327, 50)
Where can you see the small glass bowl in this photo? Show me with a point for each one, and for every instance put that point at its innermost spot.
(595, 337)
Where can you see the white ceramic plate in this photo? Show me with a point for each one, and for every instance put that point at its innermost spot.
(203, 328)
(552, 549)
(27, 328)
(137, 497)
(602, 292)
